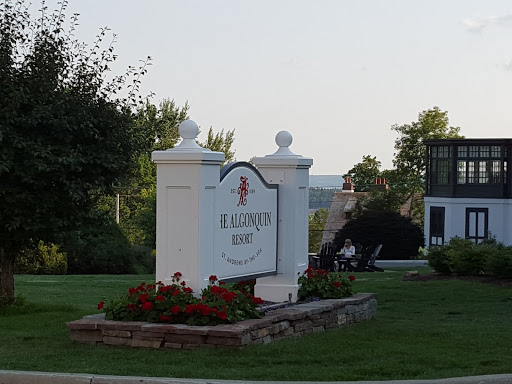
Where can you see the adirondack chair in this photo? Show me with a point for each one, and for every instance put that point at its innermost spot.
(326, 256)
(367, 261)
(371, 264)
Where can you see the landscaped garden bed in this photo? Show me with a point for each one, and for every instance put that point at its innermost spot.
(294, 321)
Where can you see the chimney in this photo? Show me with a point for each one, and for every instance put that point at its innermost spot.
(380, 184)
(347, 185)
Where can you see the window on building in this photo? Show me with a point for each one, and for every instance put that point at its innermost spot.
(440, 164)
(477, 222)
(461, 172)
(436, 233)
(473, 169)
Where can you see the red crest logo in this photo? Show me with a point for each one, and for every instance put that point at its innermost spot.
(243, 191)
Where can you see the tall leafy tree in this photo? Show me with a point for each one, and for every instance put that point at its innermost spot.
(409, 159)
(65, 136)
(363, 174)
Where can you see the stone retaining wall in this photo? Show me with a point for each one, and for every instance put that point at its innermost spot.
(294, 321)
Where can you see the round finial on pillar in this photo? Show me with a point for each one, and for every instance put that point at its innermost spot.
(284, 139)
(188, 130)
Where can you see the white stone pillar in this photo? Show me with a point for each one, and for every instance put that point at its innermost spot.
(187, 179)
(291, 172)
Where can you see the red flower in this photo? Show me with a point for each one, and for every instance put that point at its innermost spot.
(222, 282)
(131, 291)
(101, 304)
(351, 277)
(131, 306)
(143, 298)
(177, 274)
(187, 290)
(257, 300)
(165, 319)
(213, 278)
(222, 315)
(228, 296)
(183, 283)
(142, 284)
(148, 305)
(337, 284)
(176, 293)
(159, 298)
(215, 289)
(175, 309)
(189, 308)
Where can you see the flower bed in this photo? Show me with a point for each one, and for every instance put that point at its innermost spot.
(295, 321)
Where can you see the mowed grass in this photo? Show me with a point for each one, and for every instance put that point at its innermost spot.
(423, 330)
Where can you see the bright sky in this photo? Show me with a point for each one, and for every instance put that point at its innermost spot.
(336, 74)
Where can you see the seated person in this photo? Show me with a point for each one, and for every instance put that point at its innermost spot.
(347, 253)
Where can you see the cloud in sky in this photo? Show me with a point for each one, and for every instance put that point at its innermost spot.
(508, 65)
(478, 24)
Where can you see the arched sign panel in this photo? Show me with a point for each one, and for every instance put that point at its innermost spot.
(245, 240)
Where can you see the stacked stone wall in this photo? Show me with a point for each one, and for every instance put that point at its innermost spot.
(295, 321)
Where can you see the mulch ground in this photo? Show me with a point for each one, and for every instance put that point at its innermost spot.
(477, 279)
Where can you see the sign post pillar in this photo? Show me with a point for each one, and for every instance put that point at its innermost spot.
(291, 172)
(187, 180)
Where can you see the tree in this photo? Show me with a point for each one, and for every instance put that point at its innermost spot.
(363, 174)
(65, 137)
(160, 124)
(410, 154)
(221, 142)
(400, 237)
(316, 229)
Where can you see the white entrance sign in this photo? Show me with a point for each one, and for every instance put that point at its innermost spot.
(245, 241)
(234, 223)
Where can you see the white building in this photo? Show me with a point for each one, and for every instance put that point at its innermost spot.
(468, 190)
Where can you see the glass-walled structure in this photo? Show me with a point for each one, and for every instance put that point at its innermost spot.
(468, 190)
(468, 168)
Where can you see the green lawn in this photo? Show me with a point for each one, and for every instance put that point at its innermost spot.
(423, 330)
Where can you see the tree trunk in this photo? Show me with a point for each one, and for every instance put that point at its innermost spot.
(6, 278)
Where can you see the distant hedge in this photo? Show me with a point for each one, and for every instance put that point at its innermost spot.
(399, 236)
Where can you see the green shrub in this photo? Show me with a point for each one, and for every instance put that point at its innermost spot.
(469, 261)
(464, 257)
(499, 263)
(43, 259)
(144, 259)
(439, 261)
(99, 247)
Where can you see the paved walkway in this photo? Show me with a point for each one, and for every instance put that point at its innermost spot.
(401, 263)
(20, 377)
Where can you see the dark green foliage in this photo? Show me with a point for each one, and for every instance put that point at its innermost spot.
(65, 138)
(41, 259)
(102, 247)
(464, 257)
(439, 260)
(400, 237)
(316, 227)
(499, 263)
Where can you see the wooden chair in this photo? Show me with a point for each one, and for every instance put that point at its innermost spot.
(367, 261)
(326, 257)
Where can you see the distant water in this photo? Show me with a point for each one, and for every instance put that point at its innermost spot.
(325, 181)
